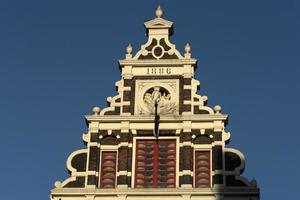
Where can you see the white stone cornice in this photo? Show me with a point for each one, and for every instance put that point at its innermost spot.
(175, 118)
(154, 191)
(162, 62)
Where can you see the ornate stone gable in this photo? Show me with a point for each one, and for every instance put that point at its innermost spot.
(157, 138)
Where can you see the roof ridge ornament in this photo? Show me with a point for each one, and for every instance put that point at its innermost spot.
(159, 12)
(129, 51)
(187, 50)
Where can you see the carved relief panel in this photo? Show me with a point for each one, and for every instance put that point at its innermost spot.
(163, 92)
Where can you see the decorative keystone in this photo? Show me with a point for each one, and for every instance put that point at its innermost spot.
(129, 51)
(96, 110)
(187, 50)
(217, 109)
(159, 12)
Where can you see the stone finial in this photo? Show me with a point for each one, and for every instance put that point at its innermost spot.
(217, 109)
(96, 110)
(129, 51)
(253, 183)
(57, 184)
(187, 50)
(109, 99)
(85, 137)
(159, 12)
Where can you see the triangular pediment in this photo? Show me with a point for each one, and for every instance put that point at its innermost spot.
(158, 23)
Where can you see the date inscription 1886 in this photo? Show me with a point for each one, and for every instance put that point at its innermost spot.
(158, 70)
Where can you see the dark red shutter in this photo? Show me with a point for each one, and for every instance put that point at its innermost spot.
(144, 166)
(155, 163)
(202, 169)
(167, 163)
(108, 169)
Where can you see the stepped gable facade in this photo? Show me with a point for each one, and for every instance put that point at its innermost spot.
(157, 139)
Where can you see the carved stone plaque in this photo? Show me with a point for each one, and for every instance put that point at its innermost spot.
(163, 92)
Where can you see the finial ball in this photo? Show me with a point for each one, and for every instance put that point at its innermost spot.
(96, 110)
(187, 48)
(129, 49)
(253, 183)
(217, 108)
(57, 184)
(159, 12)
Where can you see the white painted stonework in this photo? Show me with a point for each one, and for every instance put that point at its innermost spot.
(168, 101)
(153, 82)
(159, 194)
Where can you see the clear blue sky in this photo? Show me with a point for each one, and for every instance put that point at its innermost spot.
(58, 59)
